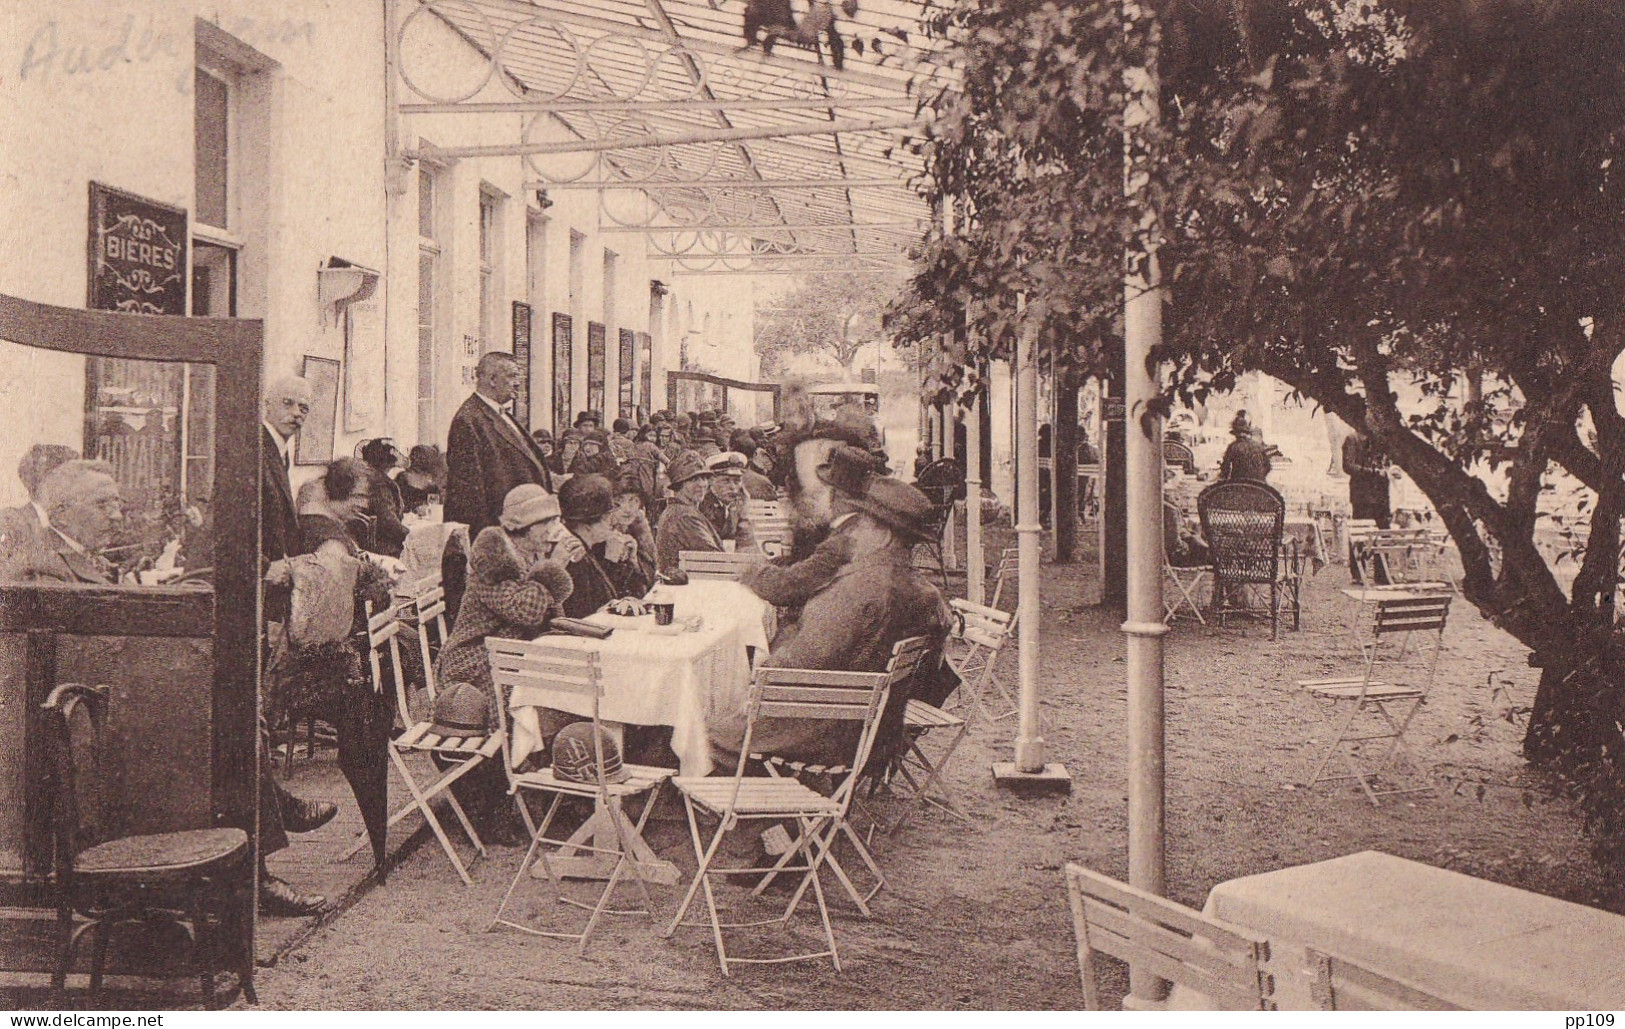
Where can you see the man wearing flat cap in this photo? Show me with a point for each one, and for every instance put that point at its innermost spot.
(683, 526)
(874, 601)
(611, 563)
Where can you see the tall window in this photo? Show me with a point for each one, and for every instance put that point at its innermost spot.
(211, 132)
(428, 281)
(491, 320)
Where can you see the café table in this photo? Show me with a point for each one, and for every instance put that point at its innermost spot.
(670, 676)
(1479, 944)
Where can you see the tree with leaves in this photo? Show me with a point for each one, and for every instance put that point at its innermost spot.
(1362, 201)
(836, 315)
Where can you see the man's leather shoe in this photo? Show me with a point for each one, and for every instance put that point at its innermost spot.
(300, 815)
(280, 899)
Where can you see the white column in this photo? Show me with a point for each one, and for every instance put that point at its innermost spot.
(975, 562)
(1031, 751)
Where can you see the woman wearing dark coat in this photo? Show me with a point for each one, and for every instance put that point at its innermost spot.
(388, 535)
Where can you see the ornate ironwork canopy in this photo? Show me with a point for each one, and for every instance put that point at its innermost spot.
(727, 159)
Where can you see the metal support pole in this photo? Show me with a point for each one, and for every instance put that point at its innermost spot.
(1144, 629)
(1031, 751)
(975, 562)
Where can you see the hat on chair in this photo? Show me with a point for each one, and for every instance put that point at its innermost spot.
(461, 709)
(575, 761)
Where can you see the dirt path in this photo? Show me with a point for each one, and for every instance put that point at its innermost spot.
(976, 917)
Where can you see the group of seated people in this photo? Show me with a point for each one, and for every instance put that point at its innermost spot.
(846, 591)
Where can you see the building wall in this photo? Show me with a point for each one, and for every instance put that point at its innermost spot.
(102, 91)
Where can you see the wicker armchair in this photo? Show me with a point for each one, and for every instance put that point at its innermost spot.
(1243, 523)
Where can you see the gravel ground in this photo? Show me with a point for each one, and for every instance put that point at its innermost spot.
(975, 917)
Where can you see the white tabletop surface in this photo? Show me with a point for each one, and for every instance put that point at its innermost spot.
(665, 675)
(1484, 945)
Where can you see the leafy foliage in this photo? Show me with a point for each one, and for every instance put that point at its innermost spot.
(834, 314)
(1355, 199)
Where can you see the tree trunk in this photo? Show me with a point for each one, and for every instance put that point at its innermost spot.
(1064, 465)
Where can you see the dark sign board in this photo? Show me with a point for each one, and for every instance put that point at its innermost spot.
(561, 371)
(597, 338)
(626, 369)
(521, 353)
(137, 254)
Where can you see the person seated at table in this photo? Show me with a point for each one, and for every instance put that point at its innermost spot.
(683, 526)
(756, 485)
(724, 505)
(78, 508)
(1246, 458)
(518, 581)
(1182, 546)
(594, 457)
(388, 534)
(876, 600)
(611, 563)
(629, 514)
(421, 482)
(569, 447)
(18, 524)
(788, 584)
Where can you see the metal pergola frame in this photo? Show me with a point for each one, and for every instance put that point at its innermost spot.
(730, 161)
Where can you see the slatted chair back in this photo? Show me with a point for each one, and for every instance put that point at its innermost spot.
(1342, 985)
(1426, 614)
(769, 523)
(765, 510)
(1406, 555)
(384, 654)
(810, 693)
(1223, 962)
(980, 624)
(429, 609)
(1007, 576)
(1243, 523)
(558, 670)
(1178, 455)
(708, 564)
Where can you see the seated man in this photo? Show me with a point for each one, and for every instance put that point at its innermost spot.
(724, 505)
(80, 504)
(19, 524)
(683, 526)
(1182, 546)
(788, 584)
(611, 563)
(876, 600)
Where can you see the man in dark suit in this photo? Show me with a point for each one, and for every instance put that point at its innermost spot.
(287, 404)
(487, 453)
(19, 524)
(79, 506)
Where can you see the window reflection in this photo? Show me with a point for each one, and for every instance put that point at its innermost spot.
(114, 469)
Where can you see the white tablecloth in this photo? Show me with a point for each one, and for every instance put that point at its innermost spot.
(651, 678)
(1484, 945)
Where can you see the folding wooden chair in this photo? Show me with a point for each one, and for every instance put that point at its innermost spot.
(1379, 710)
(715, 564)
(769, 524)
(1342, 985)
(1225, 963)
(429, 612)
(783, 693)
(978, 635)
(1006, 576)
(919, 721)
(908, 657)
(567, 672)
(464, 752)
(1188, 582)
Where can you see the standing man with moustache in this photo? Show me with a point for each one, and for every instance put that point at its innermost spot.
(487, 453)
(287, 405)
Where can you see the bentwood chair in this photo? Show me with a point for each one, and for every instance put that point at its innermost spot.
(198, 879)
(1343, 985)
(1243, 523)
(573, 673)
(1378, 709)
(1224, 963)
(460, 753)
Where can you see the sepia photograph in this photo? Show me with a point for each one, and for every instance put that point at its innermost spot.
(812, 505)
